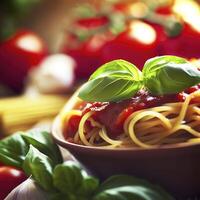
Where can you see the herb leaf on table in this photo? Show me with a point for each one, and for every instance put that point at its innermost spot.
(40, 167)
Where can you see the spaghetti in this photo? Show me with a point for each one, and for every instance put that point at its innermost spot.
(169, 123)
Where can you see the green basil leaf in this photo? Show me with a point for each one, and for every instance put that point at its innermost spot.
(117, 23)
(13, 150)
(89, 186)
(40, 167)
(122, 187)
(43, 141)
(129, 193)
(59, 196)
(169, 75)
(173, 26)
(114, 81)
(117, 65)
(67, 177)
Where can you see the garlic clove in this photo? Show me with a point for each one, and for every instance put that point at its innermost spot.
(55, 74)
(27, 190)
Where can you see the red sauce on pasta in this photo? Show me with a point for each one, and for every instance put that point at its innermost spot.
(113, 114)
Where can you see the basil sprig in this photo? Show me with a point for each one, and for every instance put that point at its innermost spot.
(118, 80)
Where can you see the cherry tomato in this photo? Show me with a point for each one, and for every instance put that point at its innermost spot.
(137, 44)
(9, 178)
(121, 7)
(86, 53)
(92, 22)
(184, 45)
(126, 113)
(72, 126)
(18, 55)
(164, 10)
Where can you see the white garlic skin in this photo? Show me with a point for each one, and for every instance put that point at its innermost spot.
(27, 190)
(55, 74)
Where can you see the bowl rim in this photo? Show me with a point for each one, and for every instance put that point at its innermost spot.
(56, 132)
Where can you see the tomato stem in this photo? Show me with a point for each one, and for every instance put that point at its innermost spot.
(171, 23)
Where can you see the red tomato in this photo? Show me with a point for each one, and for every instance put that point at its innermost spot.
(164, 10)
(137, 44)
(121, 7)
(93, 22)
(72, 126)
(192, 89)
(126, 113)
(9, 179)
(86, 53)
(18, 55)
(185, 45)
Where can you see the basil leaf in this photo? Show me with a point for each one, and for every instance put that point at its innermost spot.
(13, 150)
(117, 23)
(114, 81)
(43, 141)
(59, 196)
(117, 65)
(129, 193)
(67, 177)
(89, 186)
(72, 181)
(169, 75)
(122, 187)
(40, 167)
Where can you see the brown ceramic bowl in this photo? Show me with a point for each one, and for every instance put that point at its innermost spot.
(176, 168)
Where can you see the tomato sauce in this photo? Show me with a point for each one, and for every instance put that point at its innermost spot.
(113, 114)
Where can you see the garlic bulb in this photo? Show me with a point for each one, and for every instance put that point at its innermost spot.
(27, 190)
(55, 74)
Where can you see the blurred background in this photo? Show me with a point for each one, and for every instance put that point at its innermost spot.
(49, 48)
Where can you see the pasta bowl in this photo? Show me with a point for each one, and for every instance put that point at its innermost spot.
(166, 94)
(173, 167)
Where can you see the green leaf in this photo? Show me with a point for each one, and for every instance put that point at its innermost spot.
(85, 10)
(117, 22)
(114, 81)
(72, 181)
(67, 177)
(89, 186)
(117, 65)
(169, 75)
(59, 196)
(40, 167)
(43, 141)
(129, 193)
(124, 187)
(173, 26)
(13, 150)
